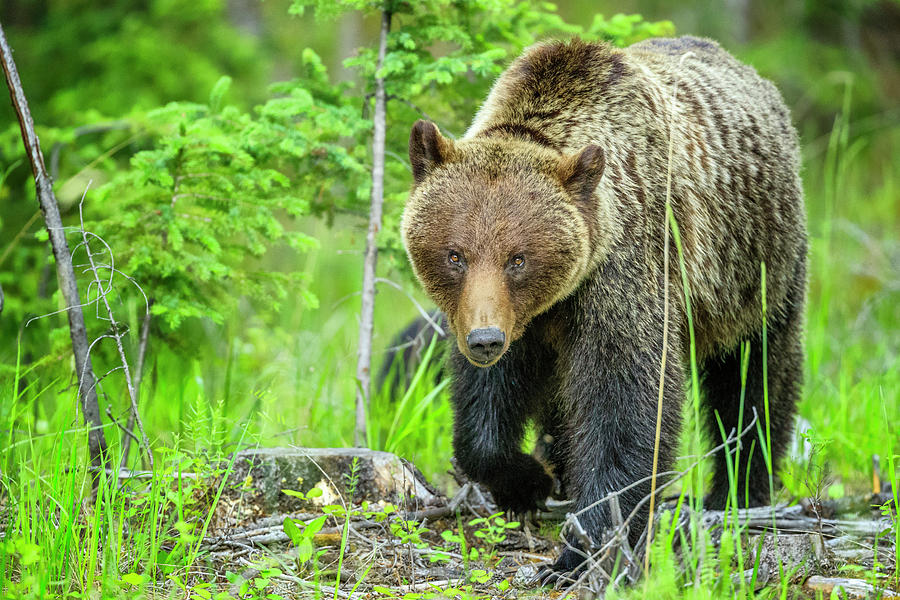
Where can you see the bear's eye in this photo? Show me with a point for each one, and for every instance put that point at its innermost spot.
(517, 261)
(454, 258)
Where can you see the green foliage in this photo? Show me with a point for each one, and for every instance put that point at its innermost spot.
(441, 57)
(302, 535)
(492, 530)
(419, 413)
(255, 227)
(87, 68)
(194, 214)
(134, 533)
(128, 56)
(206, 205)
(624, 30)
(256, 588)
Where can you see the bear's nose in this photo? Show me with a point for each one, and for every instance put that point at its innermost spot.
(485, 344)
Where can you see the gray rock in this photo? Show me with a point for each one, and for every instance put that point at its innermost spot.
(798, 554)
(380, 476)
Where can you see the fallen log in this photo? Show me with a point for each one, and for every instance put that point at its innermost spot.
(847, 588)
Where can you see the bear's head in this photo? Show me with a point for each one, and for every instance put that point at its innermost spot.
(498, 230)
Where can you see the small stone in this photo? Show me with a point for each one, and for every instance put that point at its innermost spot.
(525, 576)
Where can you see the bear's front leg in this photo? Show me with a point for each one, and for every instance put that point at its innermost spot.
(491, 408)
(610, 388)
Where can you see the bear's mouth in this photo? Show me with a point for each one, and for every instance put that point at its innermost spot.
(483, 365)
(480, 362)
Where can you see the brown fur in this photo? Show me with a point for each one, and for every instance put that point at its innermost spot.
(565, 165)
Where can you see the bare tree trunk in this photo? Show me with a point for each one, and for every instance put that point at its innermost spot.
(138, 378)
(64, 271)
(364, 350)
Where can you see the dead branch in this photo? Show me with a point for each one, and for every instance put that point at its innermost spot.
(319, 586)
(64, 271)
(138, 378)
(428, 585)
(793, 519)
(129, 474)
(274, 533)
(128, 433)
(832, 587)
(116, 333)
(428, 319)
(421, 112)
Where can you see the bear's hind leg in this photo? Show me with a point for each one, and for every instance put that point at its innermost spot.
(721, 386)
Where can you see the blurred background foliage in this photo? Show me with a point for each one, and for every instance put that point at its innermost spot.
(222, 148)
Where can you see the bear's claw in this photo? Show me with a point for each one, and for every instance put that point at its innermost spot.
(564, 572)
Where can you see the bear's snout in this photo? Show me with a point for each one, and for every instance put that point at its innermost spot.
(484, 320)
(485, 344)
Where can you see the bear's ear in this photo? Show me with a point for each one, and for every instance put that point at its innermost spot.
(427, 149)
(580, 173)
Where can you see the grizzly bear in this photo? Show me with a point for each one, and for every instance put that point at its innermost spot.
(540, 235)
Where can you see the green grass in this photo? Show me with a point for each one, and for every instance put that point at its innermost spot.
(293, 384)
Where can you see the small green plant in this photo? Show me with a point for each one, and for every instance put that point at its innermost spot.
(352, 479)
(895, 512)
(479, 576)
(376, 513)
(458, 592)
(302, 534)
(492, 531)
(409, 532)
(345, 510)
(256, 588)
(305, 497)
(493, 528)
(452, 537)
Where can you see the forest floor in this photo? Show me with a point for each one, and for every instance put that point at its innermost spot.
(380, 539)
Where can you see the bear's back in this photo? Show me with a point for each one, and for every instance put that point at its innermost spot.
(569, 90)
(679, 46)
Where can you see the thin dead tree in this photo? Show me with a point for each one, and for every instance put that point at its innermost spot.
(143, 342)
(366, 321)
(64, 271)
(116, 332)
